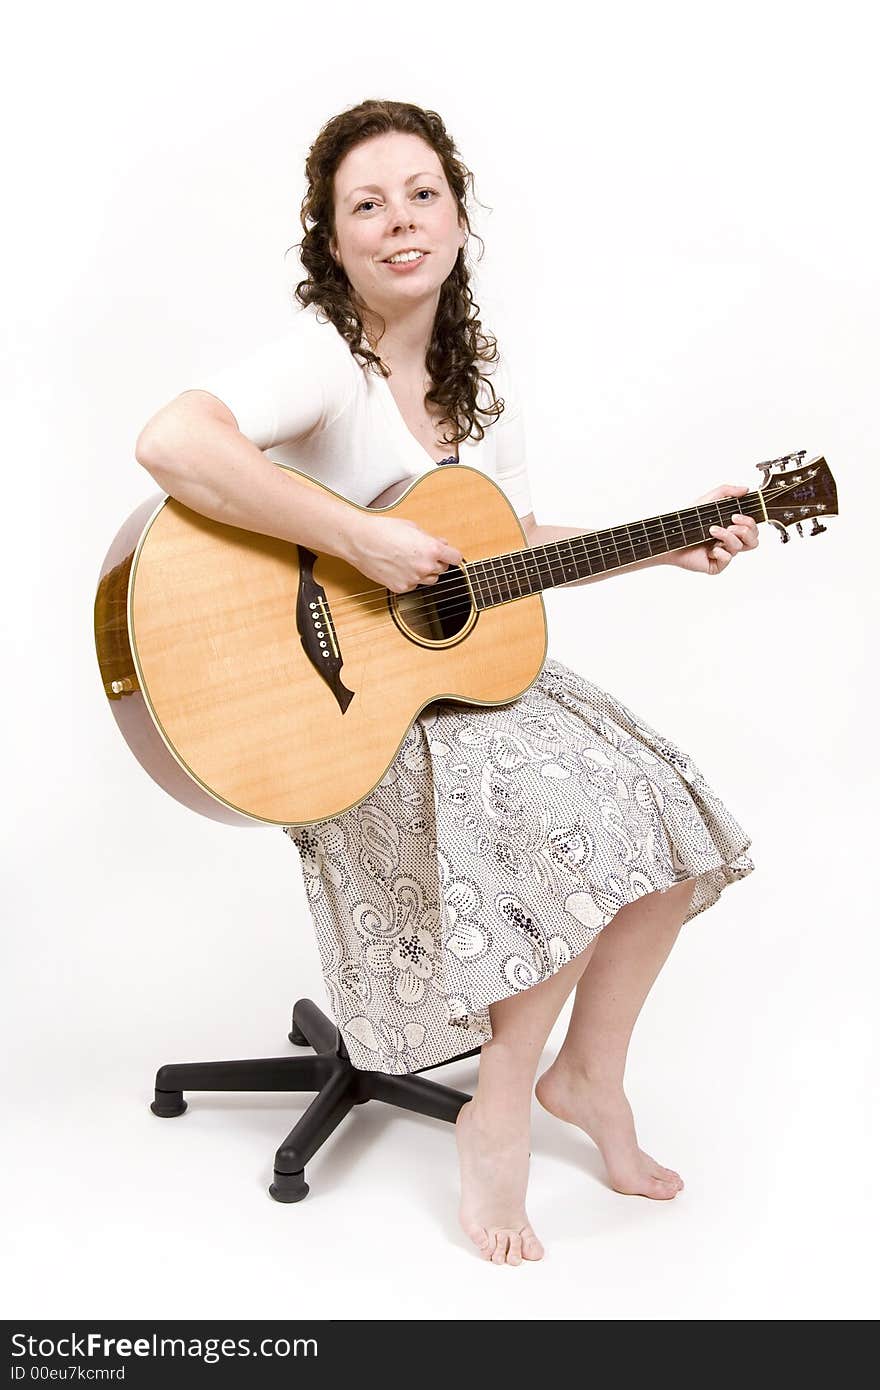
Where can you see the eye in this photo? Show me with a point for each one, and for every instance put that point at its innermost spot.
(371, 200)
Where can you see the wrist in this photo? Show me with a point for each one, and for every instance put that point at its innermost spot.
(351, 536)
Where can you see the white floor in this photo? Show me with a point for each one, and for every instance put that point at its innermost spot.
(750, 1072)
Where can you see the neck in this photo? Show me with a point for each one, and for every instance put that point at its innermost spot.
(403, 334)
(505, 578)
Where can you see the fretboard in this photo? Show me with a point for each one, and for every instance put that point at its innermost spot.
(504, 578)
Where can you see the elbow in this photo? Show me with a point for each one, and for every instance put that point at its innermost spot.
(160, 455)
(147, 449)
(157, 472)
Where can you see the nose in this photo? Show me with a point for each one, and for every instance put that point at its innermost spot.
(400, 217)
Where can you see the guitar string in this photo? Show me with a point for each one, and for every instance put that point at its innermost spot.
(456, 599)
(589, 543)
(588, 540)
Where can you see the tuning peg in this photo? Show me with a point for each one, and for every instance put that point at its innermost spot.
(781, 464)
(784, 537)
(799, 528)
(817, 527)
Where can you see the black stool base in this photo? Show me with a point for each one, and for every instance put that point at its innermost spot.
(339, 1086)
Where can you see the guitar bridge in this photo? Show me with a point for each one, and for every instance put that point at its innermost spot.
(317, 634)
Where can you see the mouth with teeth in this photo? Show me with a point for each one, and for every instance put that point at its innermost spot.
(406, 258)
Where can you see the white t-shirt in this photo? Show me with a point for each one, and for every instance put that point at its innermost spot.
(305, 401)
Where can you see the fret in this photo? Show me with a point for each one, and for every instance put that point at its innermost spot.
(567, 560)
(584, 557)
(549, 558)
(491, 583)
(570, 568)
(534, 562)
(508, 564)
(673, 531)
(603, 549)
(508, 574)
(545, 574)
(552, 559)
(693, 525)
(498, 571)
(491, 565)
(534, 572)
(526, 573)
(529, 573)
(623, 543)
(517, 574)
(478, 580)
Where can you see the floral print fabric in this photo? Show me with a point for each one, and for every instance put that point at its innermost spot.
(499, 843)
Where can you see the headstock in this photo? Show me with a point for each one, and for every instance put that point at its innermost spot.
(791, 498)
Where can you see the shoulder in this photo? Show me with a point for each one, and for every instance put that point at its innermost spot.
(313, 331)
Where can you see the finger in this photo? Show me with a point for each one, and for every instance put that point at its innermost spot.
(728, 538)
(449, 555)
(746, 529)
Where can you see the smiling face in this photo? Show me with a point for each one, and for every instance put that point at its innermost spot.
(390, 193)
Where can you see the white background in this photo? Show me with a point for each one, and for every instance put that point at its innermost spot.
(680, 218)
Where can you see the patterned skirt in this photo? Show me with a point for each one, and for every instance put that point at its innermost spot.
(499, 843)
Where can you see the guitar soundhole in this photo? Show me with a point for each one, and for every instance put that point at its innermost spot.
(436, 613)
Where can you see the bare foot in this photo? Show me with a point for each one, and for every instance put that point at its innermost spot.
(604, 1114)
(494, 1176)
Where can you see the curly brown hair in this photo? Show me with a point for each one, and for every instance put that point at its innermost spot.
(457, 341)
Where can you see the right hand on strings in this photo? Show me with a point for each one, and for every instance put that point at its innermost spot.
(399, 554)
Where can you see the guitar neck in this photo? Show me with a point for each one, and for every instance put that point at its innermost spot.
(503, 578)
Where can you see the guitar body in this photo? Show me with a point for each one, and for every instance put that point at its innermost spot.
(258, 682)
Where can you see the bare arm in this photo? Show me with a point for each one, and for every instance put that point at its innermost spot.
(197, 454)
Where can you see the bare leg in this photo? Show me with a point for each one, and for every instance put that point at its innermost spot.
(585, 1083)
(492, 1130)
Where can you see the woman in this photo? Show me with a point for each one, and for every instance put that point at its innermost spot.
(510, 854)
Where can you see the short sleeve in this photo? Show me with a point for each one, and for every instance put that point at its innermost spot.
(290, 387)
(511, 467)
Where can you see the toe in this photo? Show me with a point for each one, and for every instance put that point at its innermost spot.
(669, 1174)
(480, 1236)
(501, 1243)
(532, 1248)
(514, 1254)
(659, 1187)
(657, 1170)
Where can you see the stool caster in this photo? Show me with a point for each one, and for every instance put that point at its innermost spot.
(289, 1187)
(168, 1103)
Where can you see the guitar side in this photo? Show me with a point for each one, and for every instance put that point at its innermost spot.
(204, 631)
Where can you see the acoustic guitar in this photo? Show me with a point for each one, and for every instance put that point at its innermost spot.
(261, 683)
